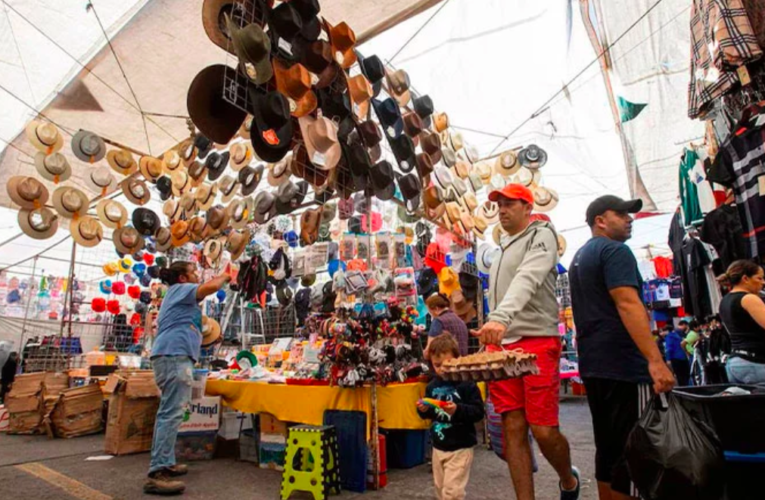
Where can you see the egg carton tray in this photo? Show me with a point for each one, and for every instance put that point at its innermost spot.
(491, 366)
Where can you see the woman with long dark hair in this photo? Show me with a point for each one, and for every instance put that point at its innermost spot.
(176, 348)
(743, 315)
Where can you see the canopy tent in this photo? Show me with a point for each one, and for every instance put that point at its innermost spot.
(508, 72)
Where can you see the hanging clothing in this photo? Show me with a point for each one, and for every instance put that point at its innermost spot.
(677, 237)
(697, 293)
(738, 165)
(755, 11)
(647, 270)
(722, 229)
(721, 40)
(698, 174)
(663, 267)
(689, 196)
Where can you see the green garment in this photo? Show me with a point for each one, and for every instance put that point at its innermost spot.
(690, 340)
(688, 191)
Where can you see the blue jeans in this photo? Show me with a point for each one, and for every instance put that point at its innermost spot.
(174, 376)
(741, 371)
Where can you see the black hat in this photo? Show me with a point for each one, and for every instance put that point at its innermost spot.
(215, 117)
(153, 271)
(358, 161)
(370, 133)
(216, 164)
(423, 106)
(249, 178)
(427, 282)
(469, 284)
(145, 298)
(334, 104)
(308, 10)
(389, 115)
(271, 129)
(284, 294)
(403, 149)
(302, 304)
(328, 302)
(410, 186)
(165, 187)
(203, 145)
(285, 22)
(609, 202)
(373, 68)
(383, 180)
(145, 221)
(345, 129)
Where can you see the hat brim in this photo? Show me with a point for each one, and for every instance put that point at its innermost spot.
(265, 151)
(48, 175)
(80, 239)
(58, 205)
(215, 117)
(26, 225)
(80, 154)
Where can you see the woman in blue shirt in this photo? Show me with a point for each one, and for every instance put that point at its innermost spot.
(176, 348)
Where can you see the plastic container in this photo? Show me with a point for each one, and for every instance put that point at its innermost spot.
(195, 446)
(736, 419)
(199, 383)
(351, 427)
(406, 448)
(248, 446)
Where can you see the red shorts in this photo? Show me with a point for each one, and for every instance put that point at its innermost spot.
(536, 394)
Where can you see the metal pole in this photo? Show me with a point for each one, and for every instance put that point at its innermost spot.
(68, 296)
(26, 310)
(375, 419)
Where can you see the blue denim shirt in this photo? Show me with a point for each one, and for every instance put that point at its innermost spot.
(179, 326)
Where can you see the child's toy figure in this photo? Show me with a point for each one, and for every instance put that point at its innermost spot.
(454, 408)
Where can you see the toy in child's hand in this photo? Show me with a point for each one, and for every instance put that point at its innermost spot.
(435, 403)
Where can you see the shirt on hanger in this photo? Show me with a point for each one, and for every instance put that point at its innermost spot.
(688, 190)
(663, 266)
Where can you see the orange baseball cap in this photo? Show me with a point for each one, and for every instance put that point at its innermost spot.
(513, 192)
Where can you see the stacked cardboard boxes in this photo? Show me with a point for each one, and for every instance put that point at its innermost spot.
(272, 447)
(199, 430)
(78, 412)
(32, 398)
(133, 404)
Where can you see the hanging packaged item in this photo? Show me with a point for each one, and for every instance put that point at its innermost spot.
(383, 250)
(348, 247)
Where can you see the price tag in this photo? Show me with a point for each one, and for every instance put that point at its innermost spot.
(743, 76)
(339, 57)
(391, 131)
(314, 79)
(285, 46)
(251, 71)
(761, 184)
(293, 105)
(356, 109)
(319, 159)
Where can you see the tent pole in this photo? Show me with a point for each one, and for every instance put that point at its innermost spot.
(68, 296)
(26, 310)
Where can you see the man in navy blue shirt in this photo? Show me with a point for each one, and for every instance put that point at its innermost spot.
(676, 355)
(618, 358)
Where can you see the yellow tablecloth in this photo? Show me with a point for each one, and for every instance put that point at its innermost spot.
(306, 404)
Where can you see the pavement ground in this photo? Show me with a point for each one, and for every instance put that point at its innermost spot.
(41, 468)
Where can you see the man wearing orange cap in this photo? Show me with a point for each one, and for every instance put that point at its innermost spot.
(524, 315)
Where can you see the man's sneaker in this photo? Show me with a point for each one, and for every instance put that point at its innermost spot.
(571, 494)
(177, 470)
(161, 483)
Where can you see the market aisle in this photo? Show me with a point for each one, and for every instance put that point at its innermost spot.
(122, 477)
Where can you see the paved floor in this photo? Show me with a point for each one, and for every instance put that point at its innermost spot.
(35, 467)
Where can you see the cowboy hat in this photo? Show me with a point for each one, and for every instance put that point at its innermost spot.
(216, 164)
(217, 219)
(389, 115)
(135, 190)
(237, 242)
(70, 202)
(88, 146)
(309, 226)
(171, 161)
(145, 221)
(127, 240)
(172, 210)
(197, 228)
(215, 12)
(527, 177)
(188, 203)
(532, 157)
(507, 163)
(440, 121)
(205, 195)
(210, 332)
(111, 213)
(44, 136)
(198, 172)
(121, 161)
(228, 187)
(181, 182)
(213, 250)
(163, 239)
(463, 307)
(253, 48)
(249, 178)
(271, 130)
(398, 86)
(100, 180)
(151, 168)
(360, 92)
(213, 115)
(180, 233)
(239, 213)
(294, 82)
(545, 199)
(279, 172)
(86, 231)
(343, 41)
(241, 155)
(39, 223)
(54, 167)
(27, 192)
(485, 256)
(321, 141)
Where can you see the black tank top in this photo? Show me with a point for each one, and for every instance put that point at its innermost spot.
(745, 333)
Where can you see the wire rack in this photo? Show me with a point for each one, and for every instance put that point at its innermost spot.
(235, 85)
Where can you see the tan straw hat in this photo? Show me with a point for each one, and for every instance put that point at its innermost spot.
(111, 213)
(44, 136)
(27, 192)
(53, 167)
(86, 231)
(40, 223)
(70, 202)
(122, 161)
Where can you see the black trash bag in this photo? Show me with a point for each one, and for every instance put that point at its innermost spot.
(670, 455)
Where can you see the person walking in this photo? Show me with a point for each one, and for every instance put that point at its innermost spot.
(618, 358)
(8, 375)
(743, 315)
(444, 319)
(176, 348)
(676, 354)
(524, 315)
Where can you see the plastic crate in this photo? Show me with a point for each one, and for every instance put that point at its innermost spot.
(351, 429)
(249, 446)
(406, 448)
(736, 419)
(196, 446)
(272, 456)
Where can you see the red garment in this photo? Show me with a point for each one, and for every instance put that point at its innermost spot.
(537, 395)
(663, 267)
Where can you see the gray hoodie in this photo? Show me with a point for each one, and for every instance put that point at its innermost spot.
(522, 284)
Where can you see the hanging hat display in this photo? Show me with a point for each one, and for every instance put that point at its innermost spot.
(88, 147)
(54, 167)
(38, 223)
(111, 213)
(127, 240)
(27, 192)
(86, 231)
(44, 136)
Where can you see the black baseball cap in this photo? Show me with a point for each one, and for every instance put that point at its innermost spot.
(609, 202)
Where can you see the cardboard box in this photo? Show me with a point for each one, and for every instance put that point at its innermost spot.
(272, 456)
(32, 398)
(193, 446)
(78, 412)
(272, 425)
(232, 422)
(5, 419)
(202, 415)
(133, 404)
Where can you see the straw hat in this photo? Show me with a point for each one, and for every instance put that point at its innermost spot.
(54, 167)
(127, 240)
(213, 250)
(172, 210)
(527, 177)
(163, 239)
(545, 199)
(197, 228)
(507, 164)
(86, 231)
(181, 182)
(70, 202)
(210, 331)
(44, 136)
(237, 242)
(151, 168)
(171, 161)
(136, 190)
(180, 233)
(40, 223)
(217, 219)
(121, 161)
(228, 187)
(205, 195)
(239, 213)
(241, 155)
(27, 192)
(188, 204)
(279, 172)
(100, 180)
(111, 213)
(88, 147)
